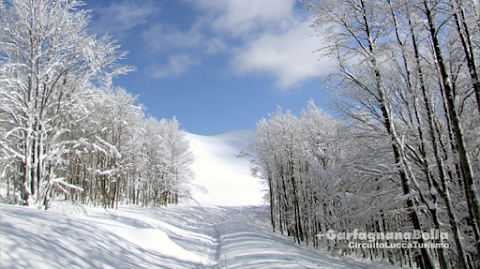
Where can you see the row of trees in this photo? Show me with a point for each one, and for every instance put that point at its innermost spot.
(294, 156)
(407, 87)
(65, 130)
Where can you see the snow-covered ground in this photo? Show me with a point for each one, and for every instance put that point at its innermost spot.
(172, 237)
(230, 229)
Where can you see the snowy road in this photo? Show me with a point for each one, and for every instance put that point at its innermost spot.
(135, 237)
(245, 240)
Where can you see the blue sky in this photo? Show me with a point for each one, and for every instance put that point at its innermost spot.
(216, 65)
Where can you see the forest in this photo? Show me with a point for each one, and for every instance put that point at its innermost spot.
(403, 153)
(66, 132)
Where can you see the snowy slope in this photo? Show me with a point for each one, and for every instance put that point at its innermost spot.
(227, 178)
(32, 238)
(172, 237)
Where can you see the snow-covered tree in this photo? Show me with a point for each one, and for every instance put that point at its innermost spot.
(66, 131)
(407, 72)
(49, 67)
(162, 171)
(294, 155)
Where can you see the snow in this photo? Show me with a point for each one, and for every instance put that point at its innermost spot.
(40, 239)
(226, 177)
(229, 229)
(155, 240)
(173, 237)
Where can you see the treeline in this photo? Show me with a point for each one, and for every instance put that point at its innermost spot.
(66, 132)
(407, 153)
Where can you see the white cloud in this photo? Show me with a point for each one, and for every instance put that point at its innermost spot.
(177, 65)
(287, 56)
(215, 45)
(119, 17)
(161, 37)
(237, 17)
(268, 37)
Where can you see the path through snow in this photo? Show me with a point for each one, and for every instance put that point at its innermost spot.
(172, 237)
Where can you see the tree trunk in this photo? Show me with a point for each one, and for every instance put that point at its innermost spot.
(471, 191)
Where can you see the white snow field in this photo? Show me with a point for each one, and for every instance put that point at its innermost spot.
(227, 178)
(228, 230)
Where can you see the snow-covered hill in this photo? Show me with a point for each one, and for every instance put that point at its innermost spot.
(227, 178)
